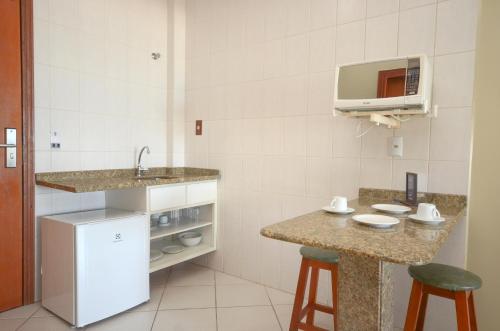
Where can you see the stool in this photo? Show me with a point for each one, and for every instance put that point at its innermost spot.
(444, 281)
(316, 259)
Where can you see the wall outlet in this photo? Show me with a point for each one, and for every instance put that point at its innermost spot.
(396, 146)
(55, 142)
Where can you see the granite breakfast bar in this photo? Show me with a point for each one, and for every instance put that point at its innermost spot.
(368, 255)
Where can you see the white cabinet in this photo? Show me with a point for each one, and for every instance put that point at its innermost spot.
(165, 199)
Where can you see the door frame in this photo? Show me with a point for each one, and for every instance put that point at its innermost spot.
(27, 87)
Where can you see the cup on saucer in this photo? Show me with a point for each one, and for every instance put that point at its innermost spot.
(164, 221)
(427, 213)
(339, 203)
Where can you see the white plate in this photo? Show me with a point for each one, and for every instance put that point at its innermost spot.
(173, 249)
(335, 211)
(155, 255)
(434, 221)
(377, 221)
(392, 209)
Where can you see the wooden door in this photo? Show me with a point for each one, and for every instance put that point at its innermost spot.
(11, 199)
(391, 83)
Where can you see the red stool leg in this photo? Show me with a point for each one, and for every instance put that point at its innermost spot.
(414, 306)
(299, 294)
(462, 308)
(313, 290)
(472, 309)
(421, 313)
(335, 295)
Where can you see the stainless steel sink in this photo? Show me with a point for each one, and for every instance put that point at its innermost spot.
(154, 177)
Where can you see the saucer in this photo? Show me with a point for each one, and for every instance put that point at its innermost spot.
(155, 255)
(173, 249)
(433, 221)
(335, 211)
(392, 209)
(376, 220)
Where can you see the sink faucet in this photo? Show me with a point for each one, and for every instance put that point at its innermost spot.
(141, 168)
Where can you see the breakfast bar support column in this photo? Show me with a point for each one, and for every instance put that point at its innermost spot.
(365, 294)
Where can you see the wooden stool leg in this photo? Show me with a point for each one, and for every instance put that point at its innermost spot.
(299, 294)
(313, 290)
(421, 313)
(414, 306)
(335, 295)
(472, 309)
(462, 308)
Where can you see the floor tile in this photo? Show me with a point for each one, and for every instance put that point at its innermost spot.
(182, 297)
(158, 278)
(134, 321)
(185, 320)
(42, 312)
(191, 275)
(50, 323)
(11, 325)
(279, 297)
(154, 300)
(241, 295)
(284, 313)
(247, 319)
(225, 279)
(21, 312)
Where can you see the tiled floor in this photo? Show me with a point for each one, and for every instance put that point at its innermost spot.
(185, 298)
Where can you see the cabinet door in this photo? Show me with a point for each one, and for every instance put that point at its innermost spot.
(167, 197)
(201, 192)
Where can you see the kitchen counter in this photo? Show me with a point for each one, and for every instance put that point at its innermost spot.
(115, 179)
(368, 255)
(406, 243)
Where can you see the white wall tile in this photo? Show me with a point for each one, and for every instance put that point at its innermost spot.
(381, 7)
(92, 16)
(294, 141)
(41, 32)
(376, 173)
(345, 142)
(92, 50)
(406, 4)
(42, 81)
(274, 58)
(67, 126)
(323, 13)
(320, 135)
(64, 12)
(41, 9)
(416, 136)
(92, 132)
(276, 14)
(63, 89)
(346, 177)
(320, 94)
(350, 42)
(298, 16)
(351, 10)
(322, 50)
(376, 141)
(417, 31)
(448, 177)
(297, 52)
(295, 95)
(42, 129)
(453, 80)
(63, 46)
(318, 175)
(451, 135)
(382, 37)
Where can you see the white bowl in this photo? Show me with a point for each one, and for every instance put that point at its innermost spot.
(190, 238)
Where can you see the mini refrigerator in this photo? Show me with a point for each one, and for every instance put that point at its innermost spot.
(95, 264)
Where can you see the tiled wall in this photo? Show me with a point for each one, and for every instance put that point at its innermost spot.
(260, 73)
(98, 87)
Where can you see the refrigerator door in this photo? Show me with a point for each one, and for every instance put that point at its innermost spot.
(112, 263)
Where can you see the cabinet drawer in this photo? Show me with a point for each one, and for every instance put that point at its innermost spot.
(167, 197)
(201, 192)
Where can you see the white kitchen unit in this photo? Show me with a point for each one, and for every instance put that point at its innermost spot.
(166, 200)
(95, 264)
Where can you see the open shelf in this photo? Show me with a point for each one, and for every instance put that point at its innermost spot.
(185, 225)
(168, 260)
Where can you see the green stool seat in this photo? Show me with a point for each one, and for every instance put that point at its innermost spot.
(445, 277)
(319, 254)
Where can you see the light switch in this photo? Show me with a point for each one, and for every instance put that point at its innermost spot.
(396, 146)
(55, 142)
(199, 127)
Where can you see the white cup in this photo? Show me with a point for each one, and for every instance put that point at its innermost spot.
(339, 203)
(428, 211)
(163, 220)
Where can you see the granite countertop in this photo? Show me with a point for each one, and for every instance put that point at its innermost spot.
(405, 243)
(115, 179)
